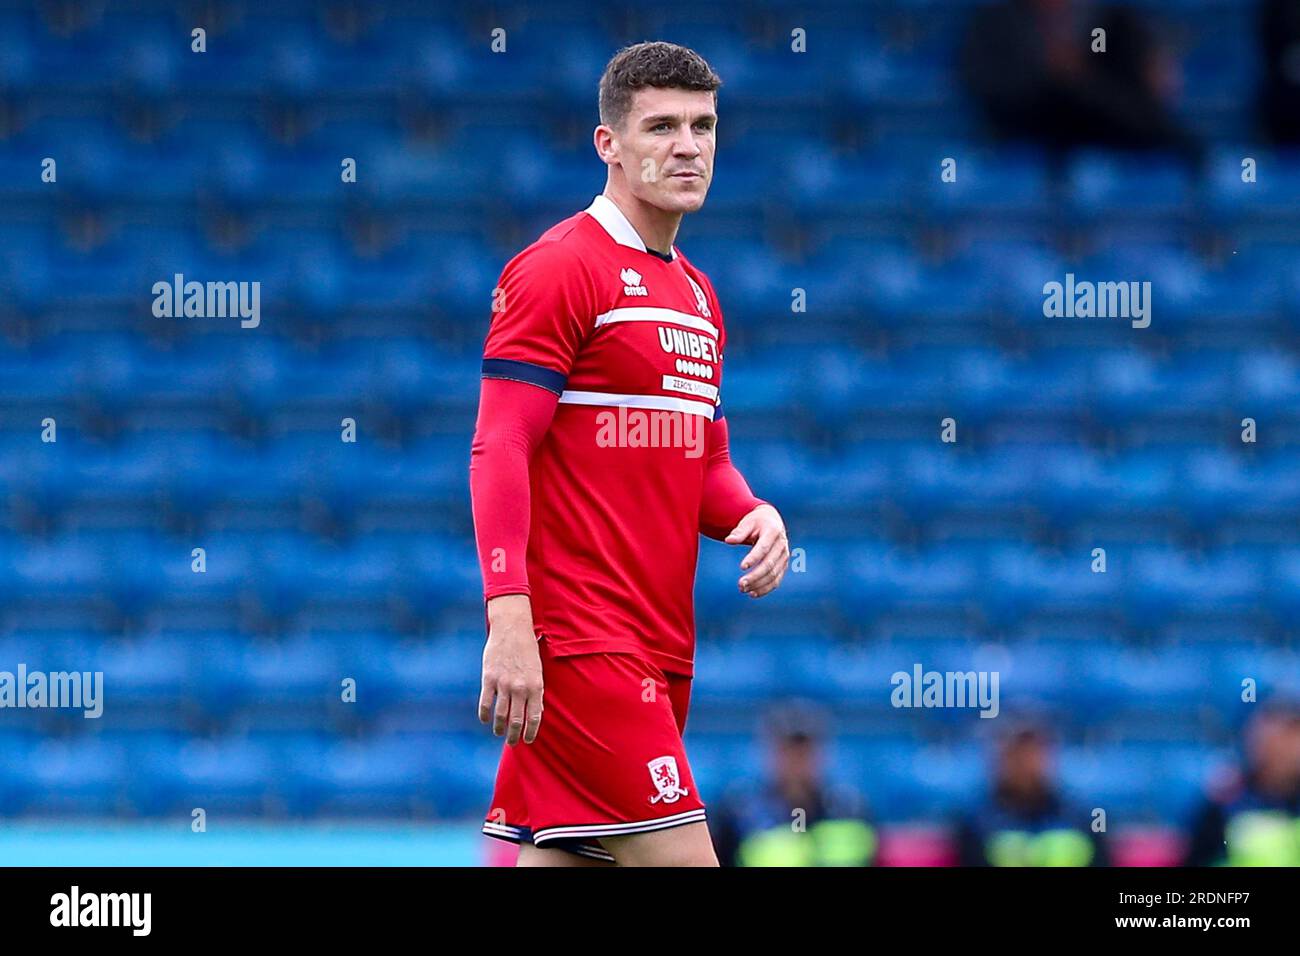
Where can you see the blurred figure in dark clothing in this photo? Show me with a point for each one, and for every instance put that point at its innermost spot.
(1251, 816)
(1279, 34)
(1024, 821)
(794, 817)
(1030, 66)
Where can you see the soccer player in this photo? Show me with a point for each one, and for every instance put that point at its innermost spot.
(599, 457)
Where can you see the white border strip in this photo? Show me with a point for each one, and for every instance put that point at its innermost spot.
(590, 851)
(663, 402)
(515, 835)
(618, 829)
(689, 386)
(606, 212)
(648, 313)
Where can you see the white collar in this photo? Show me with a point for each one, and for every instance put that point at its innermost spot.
(611, 218)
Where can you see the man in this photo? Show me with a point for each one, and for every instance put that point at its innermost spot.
(1030, 66)
(599, 456)
(795, 817)
(1024, 820)
(1251, 815)
(1279, 92)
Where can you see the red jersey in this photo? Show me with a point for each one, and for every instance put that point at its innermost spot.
(632, 344)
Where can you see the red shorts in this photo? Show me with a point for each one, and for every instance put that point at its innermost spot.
(608, 759)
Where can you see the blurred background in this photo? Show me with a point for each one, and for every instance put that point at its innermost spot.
(329, 561)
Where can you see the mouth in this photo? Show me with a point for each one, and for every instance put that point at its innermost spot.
(687, 175)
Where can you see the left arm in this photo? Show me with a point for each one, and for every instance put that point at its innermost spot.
(730, 512)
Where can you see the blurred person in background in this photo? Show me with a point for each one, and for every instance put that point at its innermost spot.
(795, 816)
(1279, 34)
(1030, 67)
(1251, 815)
(1024, 820)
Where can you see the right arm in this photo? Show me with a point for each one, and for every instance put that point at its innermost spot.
(542, 309)
(512, 420)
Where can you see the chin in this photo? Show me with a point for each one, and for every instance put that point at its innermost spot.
(687, 201)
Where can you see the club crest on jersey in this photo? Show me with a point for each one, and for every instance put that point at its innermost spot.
(663, 771)
(632, 282)
(701, 303)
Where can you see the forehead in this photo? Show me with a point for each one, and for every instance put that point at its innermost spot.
(653, 101)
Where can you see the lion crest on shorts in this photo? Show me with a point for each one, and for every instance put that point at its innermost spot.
(663, 771)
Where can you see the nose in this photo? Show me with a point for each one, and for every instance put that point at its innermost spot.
(686, 145)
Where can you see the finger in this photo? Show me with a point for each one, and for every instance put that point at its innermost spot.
(485, 696)
(768, 582)
(534, 717)
(782, 568)
(743, 531)
(761, 583)
(502, 712)
(756, 555)
(766, 586)
(761, 550)
(767, 574)
(518, 706)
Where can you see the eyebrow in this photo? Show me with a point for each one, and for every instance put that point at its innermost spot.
(672, 118)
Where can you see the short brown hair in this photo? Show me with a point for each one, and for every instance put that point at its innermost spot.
(656, 63)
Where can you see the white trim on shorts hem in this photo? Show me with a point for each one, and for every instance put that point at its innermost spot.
(510, 834)
(617, 829)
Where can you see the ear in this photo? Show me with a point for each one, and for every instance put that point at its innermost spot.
(606, 145)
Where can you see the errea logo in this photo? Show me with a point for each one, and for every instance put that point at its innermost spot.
(632, 282)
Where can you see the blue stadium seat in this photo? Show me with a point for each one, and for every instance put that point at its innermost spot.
(1104, 184)
(1009, 182)
(80, 775)
(1267, 196)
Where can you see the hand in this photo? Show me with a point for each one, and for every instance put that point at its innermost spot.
(512, 671)
(770, 556)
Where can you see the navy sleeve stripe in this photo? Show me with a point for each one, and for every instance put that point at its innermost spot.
(546, 378)
(717, 412)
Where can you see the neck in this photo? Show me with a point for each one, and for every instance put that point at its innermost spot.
(656, 227)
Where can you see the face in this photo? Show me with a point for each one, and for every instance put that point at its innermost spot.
(665, 147)
(796, 761)
(1025, 762)
(1274, 747)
